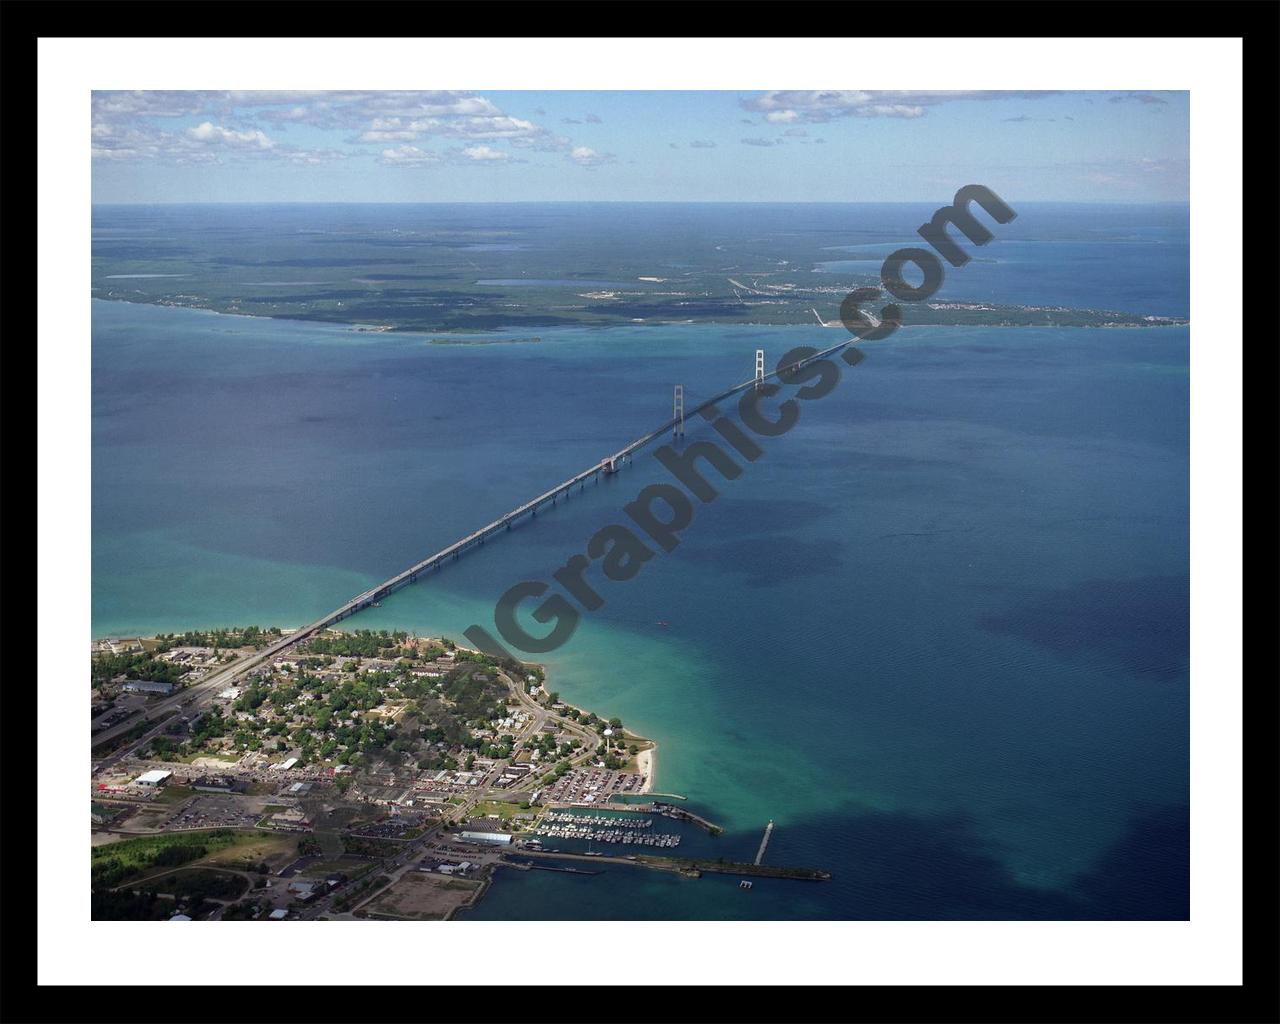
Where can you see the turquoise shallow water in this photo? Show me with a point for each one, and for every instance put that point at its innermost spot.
(938, 632)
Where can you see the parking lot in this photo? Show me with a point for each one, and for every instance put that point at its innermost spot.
(215, 812)
(591, 786)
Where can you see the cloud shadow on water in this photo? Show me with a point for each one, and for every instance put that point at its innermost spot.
(1139, 624)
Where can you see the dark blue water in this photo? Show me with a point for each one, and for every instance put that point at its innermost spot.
(938, 632)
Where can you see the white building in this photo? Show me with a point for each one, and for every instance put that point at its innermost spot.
(148, 686)
(497, 838)
(153, 778)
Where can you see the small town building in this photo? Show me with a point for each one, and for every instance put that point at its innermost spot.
(292, 818)
(306, 890)
(149, 686)
(216, 784)
(496, 838)
(153, 779)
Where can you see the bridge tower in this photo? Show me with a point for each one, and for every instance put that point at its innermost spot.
(677, 412)
(759, 366)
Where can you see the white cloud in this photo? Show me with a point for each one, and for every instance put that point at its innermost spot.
(485, 153)
(788, 106)
(488, 126)
(585, 156)
(129, 125)
(205, 143)
(407, 156)
(213, 134)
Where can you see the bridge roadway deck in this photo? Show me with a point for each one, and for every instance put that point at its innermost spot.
(434, 561)
(225, 676)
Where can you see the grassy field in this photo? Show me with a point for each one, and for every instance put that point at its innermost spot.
(121, 862)
(253, 848)
(503, 809)
(352, 867)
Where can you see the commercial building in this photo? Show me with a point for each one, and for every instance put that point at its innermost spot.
(497, 838)
(153, 779)
(149, 686)
(306, 890)
(217, 784)
(292, 818)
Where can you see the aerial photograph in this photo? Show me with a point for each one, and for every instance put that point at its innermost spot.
(878, 402)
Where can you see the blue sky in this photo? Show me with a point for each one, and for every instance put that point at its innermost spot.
(782, 146)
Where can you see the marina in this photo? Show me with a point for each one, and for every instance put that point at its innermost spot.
(565, 818)
(601, 828)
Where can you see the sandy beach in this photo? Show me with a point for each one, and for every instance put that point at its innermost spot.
(646, 761)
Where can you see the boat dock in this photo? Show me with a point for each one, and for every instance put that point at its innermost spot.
(567, 818)
(680, 814)
(629, 836)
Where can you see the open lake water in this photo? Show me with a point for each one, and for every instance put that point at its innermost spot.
(938, 632)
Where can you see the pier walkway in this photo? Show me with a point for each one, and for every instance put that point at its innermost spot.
(687, 865)
(764, 842)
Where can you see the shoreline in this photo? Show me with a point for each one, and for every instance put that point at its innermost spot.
(646, 759)
(409, 332)
(646, 762)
